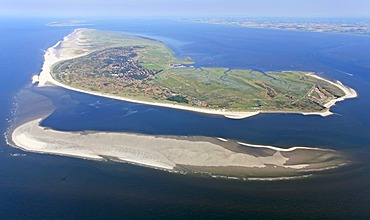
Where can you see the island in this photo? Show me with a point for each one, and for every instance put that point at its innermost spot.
(69, 23)
(143, 70)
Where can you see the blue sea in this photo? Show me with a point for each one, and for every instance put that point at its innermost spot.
(40, 186)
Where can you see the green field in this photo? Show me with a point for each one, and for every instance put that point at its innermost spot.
(151, 72)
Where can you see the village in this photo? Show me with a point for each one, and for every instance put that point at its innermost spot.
(121, 63)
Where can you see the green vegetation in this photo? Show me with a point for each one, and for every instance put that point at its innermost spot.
(178, 98)
(145, 69)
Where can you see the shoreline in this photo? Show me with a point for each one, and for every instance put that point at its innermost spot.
(52, 57)
(284, 29)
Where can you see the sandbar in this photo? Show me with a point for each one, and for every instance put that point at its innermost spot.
(176, 153)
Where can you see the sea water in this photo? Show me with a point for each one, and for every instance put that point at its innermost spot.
(48, 186)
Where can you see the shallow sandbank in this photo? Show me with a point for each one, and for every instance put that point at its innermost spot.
(172, 153)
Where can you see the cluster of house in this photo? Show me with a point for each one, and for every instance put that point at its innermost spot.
(131, 70)
(199, 103)
(122, 65)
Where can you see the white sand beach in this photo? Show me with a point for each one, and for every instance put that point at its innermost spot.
(349, 92)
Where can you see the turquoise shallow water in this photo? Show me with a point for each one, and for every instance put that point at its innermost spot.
(34, 185)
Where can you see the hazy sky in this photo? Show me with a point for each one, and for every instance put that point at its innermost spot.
(255, 8)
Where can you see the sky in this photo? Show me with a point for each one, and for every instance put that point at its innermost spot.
(198, 8)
